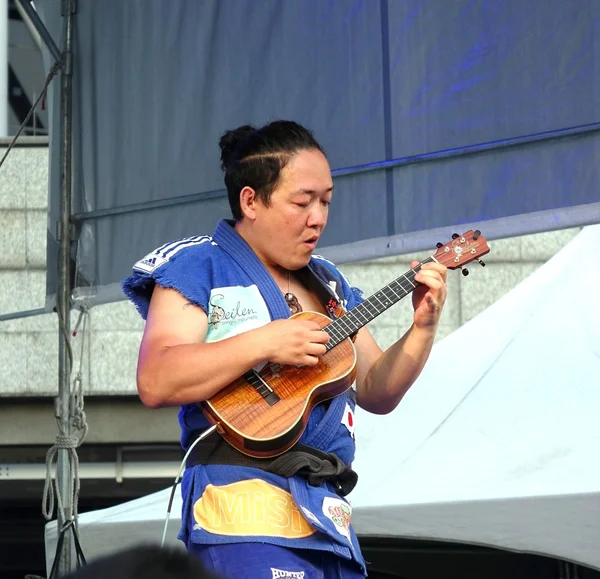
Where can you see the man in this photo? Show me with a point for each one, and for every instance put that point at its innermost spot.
(218, 306)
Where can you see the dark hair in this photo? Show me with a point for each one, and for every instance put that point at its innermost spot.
(145, 562)
(254, 157)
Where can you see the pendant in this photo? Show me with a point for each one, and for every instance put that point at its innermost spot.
(293, 303)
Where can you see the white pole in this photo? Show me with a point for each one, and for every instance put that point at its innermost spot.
(3, 68)
(35, 35)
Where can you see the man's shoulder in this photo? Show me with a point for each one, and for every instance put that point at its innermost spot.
(323, 263)
(195, 247)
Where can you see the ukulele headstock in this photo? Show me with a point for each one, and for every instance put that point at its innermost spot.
(462, 249)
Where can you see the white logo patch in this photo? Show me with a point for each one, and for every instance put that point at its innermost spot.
(278, 573)
(339, 513)
(149, 263)
(233, 310)
(348, 419)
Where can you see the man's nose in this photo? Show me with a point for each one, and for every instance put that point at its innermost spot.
(318, 217)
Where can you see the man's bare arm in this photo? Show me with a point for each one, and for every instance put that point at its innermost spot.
(176, 367)
(383, 378)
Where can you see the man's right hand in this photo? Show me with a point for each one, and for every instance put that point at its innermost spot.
(176, 366)
(294, 342)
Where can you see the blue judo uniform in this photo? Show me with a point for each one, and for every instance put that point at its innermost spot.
(224, 504)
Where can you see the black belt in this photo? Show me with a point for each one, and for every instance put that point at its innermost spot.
(310, 463)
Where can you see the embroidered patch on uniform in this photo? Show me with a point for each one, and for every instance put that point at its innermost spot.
(217, 313)
(149, 263)
(250, 507)
(339, 513)
(279, 574)
(348, 419)
(233, 310)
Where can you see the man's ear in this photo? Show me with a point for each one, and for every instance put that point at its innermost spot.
(248, 201)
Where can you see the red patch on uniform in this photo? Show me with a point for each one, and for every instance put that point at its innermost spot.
(348, 419)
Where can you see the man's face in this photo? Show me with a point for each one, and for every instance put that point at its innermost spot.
(290, 226)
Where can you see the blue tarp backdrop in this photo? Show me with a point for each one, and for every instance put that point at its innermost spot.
(434, 115)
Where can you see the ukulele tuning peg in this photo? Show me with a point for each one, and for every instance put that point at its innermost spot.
(439, 244)
(454, 235)
(476, 234)
(481, 263)
(465, 271)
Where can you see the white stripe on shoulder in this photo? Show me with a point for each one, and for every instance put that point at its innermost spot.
(335, 267)
(164, 253)
(172, 248)
(320, 257)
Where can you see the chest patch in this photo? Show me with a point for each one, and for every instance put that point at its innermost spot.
(233, 310)
(348, 419)
(339, 513)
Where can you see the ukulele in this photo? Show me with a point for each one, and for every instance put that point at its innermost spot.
(264, 412)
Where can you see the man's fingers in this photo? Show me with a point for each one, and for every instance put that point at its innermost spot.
(316, 350)
(430, 279)
(310, 325)
(310, 360)
(437, 267)
(319, 337)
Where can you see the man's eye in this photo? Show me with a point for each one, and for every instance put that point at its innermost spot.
(302, 204)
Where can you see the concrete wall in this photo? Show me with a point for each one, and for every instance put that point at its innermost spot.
(108, 352)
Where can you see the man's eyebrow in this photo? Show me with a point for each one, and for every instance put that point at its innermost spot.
(312, 191)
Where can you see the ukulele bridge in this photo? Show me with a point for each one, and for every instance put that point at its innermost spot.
(256, 381)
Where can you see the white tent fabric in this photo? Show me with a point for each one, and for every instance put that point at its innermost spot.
(498, 442)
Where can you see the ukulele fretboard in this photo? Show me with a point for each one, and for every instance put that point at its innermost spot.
(348, 324)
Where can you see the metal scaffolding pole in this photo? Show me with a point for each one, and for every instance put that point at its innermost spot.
(64, 471)
(4, 68)
(38, 25)
(63, 298)
(35, 35)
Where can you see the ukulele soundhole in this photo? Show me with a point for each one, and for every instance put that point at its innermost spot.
(255, 380)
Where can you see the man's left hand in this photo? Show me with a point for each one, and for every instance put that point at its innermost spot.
(429, 296)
